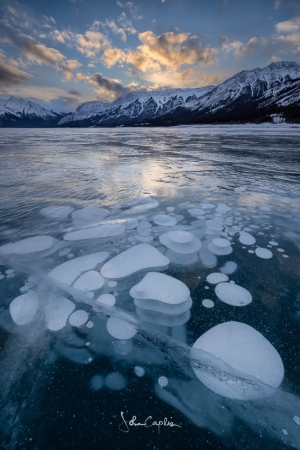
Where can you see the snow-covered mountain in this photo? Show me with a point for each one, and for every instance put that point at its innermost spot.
(17, 112)
(251, 95)
(134, 107)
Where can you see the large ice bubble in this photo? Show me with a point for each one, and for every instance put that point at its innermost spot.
(24, 308)
(57, 313)
(182, 242)
(134, 260)
(89, 215)
(29, 245)
(68, 272)
(233, 294)
(165, 220)
(252, 365)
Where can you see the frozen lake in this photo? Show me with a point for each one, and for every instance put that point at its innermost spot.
(150, 272)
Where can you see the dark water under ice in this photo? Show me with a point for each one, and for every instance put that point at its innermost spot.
(67, 389)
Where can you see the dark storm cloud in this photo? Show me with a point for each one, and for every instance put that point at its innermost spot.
(74, 92)
(109, 84)
(10, 76)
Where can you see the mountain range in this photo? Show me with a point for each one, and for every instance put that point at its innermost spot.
(271, 94)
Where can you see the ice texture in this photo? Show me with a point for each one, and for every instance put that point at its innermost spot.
(57, 212)
(135, 259)
(89, 215)
(98, 232)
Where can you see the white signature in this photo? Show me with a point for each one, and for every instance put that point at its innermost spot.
(124, 426)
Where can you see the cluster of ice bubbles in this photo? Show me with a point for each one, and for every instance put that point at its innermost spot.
(118, 293)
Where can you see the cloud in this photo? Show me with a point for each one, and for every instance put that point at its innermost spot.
(12, 76)
(288, 34)
(275, 59)
(74, 92)
(36, 52)
(88, 44)
(12, 11)
(241, 50)
(66, 101)
(277, 4)
(170, 50)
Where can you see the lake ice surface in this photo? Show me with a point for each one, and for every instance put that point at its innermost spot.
(85, 216)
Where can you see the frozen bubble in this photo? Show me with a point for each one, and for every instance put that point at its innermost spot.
(223, 208)
(162, 288)
(233, 294)
(219, 251)
(112, 284)
(78, 318)
(250, 251)
(229, 267)
(65, 251)
(90, 324)
(139, 371)
(106, 300)
(182, 242)
(23, 288)
(285, 256)
(263, 253)
(143, 231)
(216, 277)
(245, 350)
(170, 208)
(135, 259)
(165, 220)
(213, 225)
(99, 232)
(8, 271)
(97, 382)
(88, 216)
(163, 381)
(296, 419)
(220, 242)
(246, 238)
(24, 308)
(89, 281)
(121, 328)
(145, 224)
(115, 381)
(131, 224)
(196, 212)
(208, 303)
(284, 432)
(10, 275)
(208, 259)
(207, 205)
(1, 277)
(57, 313)
(68, 272)
(281, 250)
(90, 294)
(145, 239)
(273, 243)
(29, 245)
(57, 212)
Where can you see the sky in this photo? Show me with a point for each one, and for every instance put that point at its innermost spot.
(61, 53)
